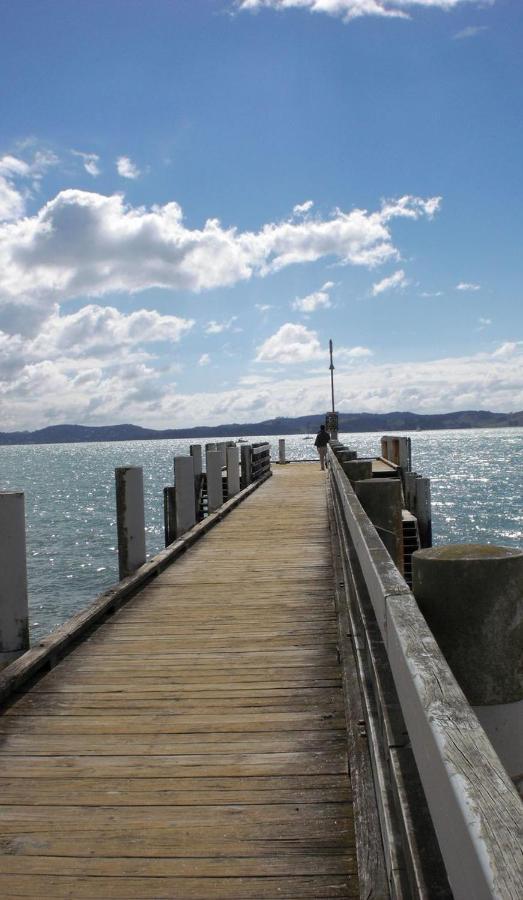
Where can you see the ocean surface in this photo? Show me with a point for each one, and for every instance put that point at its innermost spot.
(476, 482)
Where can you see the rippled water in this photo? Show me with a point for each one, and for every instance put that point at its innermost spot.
(476, 479)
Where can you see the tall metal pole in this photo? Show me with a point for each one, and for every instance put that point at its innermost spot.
(331, 367)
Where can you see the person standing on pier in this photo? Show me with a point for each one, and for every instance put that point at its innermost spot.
(322, 439)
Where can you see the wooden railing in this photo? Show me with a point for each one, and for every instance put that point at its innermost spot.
(445, 804)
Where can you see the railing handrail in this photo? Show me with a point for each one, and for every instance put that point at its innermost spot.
(474, 806)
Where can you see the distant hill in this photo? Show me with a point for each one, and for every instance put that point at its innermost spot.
(349, 422)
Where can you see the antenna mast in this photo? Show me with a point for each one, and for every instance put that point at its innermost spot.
(331, 367)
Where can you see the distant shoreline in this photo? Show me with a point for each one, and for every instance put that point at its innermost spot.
(348, 423)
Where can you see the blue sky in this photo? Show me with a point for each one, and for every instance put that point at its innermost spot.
(195, 195)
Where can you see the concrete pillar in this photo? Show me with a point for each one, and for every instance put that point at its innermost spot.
(222, 448)
(472, 598)
(209, 448)
(347, 455)
(246, 465)
(381, 499)
(184, 485)
(233, 471)
(14, 611)
(390, 448)
(214, 480)
(384, 446)
(281, 451)
(404, 454)
(358, 469)
(130, 519)
(196, 452)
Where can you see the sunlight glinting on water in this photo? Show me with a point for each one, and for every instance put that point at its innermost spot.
(476, 483)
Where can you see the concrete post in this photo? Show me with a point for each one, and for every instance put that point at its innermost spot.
(169, 514)
(214, 480)
(130, 519)
(233, 471)
(209, 448)
(357, 469)
(381, 499)
(281, 451)
(14, 610)
(184, 485)
(347, 455)
(222, 448)
(472, 598)
(196, 452)
(246, 465)
(404, 457)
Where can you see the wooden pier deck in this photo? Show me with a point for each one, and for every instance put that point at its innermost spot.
(195, 745)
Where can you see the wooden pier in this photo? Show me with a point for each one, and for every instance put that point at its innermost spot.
(190, 734)
(194, 746)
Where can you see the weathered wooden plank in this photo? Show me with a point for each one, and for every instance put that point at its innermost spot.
(193, 746)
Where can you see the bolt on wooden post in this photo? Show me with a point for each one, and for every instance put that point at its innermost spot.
(130, 519)
(14, 609)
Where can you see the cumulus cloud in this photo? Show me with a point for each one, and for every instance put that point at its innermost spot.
(126, 168)
(204, 359)
(294, 344)
(301, 208)
(90, 161)
(352, 9)
(87, 244)
(214, 327)
(392, 282)
(468, 286)
(12, 199)
(509, 348)
(314, 301)
(290, 344)
(469, 32)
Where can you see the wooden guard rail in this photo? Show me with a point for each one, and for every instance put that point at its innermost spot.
(442, 794)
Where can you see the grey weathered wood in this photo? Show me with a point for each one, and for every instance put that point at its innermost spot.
(169, 514)
(14, 607)
(233, 471)
(246, 465)
(185, 493)
(214, 480)
(130, 519)
(51, 649)
(476, 811)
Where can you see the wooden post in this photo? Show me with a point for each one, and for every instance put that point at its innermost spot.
(423, 511)
(169, 514)
(383, 444)
(233, 471)
(214, 480)
(222, 448)
(281, 451)
(196, 452)
(14, 610)
(404, 454)
(130, 519)
(184, 485)
(246, 459)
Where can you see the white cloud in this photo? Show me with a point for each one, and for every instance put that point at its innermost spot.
(290, 344)
(87, 244)
(214, 327)
(126, 168)
(204, 359)
(392, 282)
(467, 286)
(263, 307)
(353, 9)
(301, 208)
(509, 348)
(12, 200)
(431, 294)
(90, 161)
(469, 32)
(354, 353)
(484, 322)
(314, 301)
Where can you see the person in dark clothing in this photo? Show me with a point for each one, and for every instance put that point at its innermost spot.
(322, 439)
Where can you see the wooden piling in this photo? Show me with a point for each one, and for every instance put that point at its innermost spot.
(14, 622)
(130, 519)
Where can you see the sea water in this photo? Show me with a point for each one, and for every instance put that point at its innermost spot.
(476, 482)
